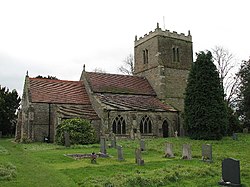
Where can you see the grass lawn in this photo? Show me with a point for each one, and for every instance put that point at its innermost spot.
(41, 164)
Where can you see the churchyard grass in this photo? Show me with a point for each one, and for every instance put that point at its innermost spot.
(41, 164)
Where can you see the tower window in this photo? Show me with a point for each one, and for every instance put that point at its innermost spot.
(119, 125)
(176, 54)
(145, 56)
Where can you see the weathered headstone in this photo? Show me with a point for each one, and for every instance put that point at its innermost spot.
(230, 172)
(1, 134)
(169, 150)
(66, 139)
(207, 152)
(120, 153)
(113, 142)
(186, 152)
(103, 145)
(245, 130)
(93, 158)
(235, 136)
(138, 158)
(142, 145)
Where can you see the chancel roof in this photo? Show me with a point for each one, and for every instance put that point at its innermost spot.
(58, 91)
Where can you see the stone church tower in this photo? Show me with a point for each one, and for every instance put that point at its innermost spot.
(165, 59)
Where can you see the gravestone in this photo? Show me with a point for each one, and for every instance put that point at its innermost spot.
(66, 139)
(207, 152)
(138, 158)
(93, 158)
(186, 152)
(169, 150)
(113, 142)
(103, 145)
(1, 134)
(235, 136)
(142, 145)
(230, 172)
(245, 130)
(120, 153)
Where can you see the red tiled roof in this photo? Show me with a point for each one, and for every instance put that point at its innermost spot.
(121, 84)
(134, 102)
(58, 91)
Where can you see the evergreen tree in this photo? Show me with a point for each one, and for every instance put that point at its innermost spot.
(9, 102)
(205, 109)
(244, 93)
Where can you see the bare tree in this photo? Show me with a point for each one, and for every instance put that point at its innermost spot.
(99, 70)
(128, 67)
(225, 63)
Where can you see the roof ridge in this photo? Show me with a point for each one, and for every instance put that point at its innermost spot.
(117, 74)
(53, 80)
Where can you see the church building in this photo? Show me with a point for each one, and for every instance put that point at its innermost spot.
(149, 103)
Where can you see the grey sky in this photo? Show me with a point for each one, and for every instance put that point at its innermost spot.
(56, 37)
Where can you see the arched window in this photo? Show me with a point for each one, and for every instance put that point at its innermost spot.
(145, 125)
(174, 55)
(119, 125)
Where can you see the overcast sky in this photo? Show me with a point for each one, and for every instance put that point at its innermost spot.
(56, 37)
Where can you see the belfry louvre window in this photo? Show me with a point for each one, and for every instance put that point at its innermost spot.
(176, 54)
(145, 56)
(119, 125)
(145, 125)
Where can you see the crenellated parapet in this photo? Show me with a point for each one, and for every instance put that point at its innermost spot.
(159, 32)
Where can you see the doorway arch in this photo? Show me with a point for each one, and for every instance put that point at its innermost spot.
(165, 129)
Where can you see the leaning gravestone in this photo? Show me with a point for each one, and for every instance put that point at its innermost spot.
(138, 158)
(207, 152)
(66, 139)
(169, 150)
(142, 145)
(103, 145)
(120, 153)
(186, 152)
(113, 142)
(230, 172)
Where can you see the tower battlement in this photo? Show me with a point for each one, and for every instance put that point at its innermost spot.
(159, 32)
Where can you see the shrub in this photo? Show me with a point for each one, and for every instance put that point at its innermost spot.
(80, 132)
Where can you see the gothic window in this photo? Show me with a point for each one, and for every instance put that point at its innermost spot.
(119, 125)
(145, 125)
(177, 55)
(145, 56)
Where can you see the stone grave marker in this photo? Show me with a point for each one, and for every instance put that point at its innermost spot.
(120, 153)
(103, 145)
(207, 152)
(142, 145)
(113, 142)
(186, 152)
(230, 172)
(245, 130)
(138, 158)
(235, 136)
(66, 139)
(169, 150)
